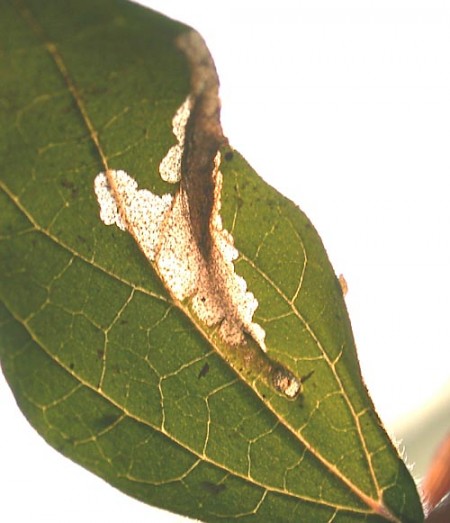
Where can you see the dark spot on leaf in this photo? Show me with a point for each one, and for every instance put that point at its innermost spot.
(70, 186)
(106, 421)
(307, 376)
(204, 370)
(228, 156)
(71, 366)
(65, 445)
(301, 401)
(213, 488)
(100, 354)
(96, 90)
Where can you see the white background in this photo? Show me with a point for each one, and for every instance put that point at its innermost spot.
(345, 108)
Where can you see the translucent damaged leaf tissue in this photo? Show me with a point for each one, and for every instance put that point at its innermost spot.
(197, 268)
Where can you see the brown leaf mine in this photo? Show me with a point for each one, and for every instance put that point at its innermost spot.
(183, 235)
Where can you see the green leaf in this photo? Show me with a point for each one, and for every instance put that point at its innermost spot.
(103, 362)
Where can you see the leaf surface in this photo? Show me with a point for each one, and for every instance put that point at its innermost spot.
(102, 362)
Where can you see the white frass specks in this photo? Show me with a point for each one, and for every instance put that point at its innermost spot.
(161, 227)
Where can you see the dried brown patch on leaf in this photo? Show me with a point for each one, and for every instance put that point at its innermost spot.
(183, 235)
